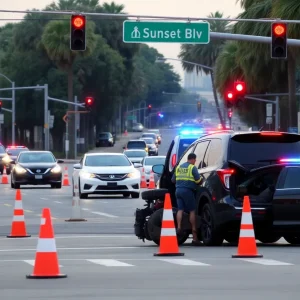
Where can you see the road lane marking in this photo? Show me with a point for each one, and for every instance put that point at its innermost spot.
(109, 263)
(6, 204)
(31, 262)
(85, 209)
(184, 262)
(29, 211)
(103, 214)
(128, 236)
(91, 248)
(266, 262)
(44, 198)
(58, 202)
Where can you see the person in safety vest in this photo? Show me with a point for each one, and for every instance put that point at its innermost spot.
(187, 178)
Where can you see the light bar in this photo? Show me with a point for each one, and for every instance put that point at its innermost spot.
(296, 160)
(191, 132)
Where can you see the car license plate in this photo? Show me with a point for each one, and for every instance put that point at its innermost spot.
(111, 184)
(38, 176)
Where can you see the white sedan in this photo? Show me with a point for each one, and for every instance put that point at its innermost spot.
(106, 174)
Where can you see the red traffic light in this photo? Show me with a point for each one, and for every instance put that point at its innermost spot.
(240, 87)
(279, 29)
(89, 101)
(229, 95)
(149, 106)
(78, 21)
(0, 103)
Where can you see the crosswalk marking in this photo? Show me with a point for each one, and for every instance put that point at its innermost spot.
(266, 262)
(184, 262)
(31, 262)
(109, 262)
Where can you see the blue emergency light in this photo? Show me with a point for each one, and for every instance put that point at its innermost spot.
(191, 132)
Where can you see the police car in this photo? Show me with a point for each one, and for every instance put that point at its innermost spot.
(2, 155)
(12, 153)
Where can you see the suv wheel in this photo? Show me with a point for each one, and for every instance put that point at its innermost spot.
(210, 235)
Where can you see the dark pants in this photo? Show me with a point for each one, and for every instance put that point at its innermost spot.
(185, 199)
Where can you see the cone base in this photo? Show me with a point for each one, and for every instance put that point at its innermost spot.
(18, 236)
(247, 256)
(46, 276)
(75, 220)
(168, 254)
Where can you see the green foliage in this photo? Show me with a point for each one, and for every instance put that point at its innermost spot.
(37, 52)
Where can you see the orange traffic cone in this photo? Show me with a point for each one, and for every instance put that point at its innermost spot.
(168, 245)
(143, 179)
(66, 181)
(247, 243)
(151, 181)
(46, 261)
(125, 132)
(4, 176)
(18, 227)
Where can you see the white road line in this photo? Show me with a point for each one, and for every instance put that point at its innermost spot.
(127, 236)
(44, 198)
(184, 262)
(103, 214)
(266, 262)
(58, 202)
(31, 262)
(109, 263)
(91, 248)
(85, 209)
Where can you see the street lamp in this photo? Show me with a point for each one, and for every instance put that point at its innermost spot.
(13, 108)
(163, 59)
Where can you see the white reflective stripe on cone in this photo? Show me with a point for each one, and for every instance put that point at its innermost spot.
(168, 232)
(246, 218)
(18, 218)
(168, 215)
(18, 204)
(46, 245)
(43, 221)
(245, 233)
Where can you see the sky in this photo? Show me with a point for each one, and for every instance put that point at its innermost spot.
(186, 8)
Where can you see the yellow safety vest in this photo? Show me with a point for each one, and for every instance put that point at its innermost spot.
(185, 173)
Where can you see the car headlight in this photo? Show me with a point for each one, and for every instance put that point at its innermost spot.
(20, 170)
(85, 174)
(56, 169)
(134, 174)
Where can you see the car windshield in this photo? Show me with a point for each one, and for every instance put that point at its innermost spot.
(136, 145)
(151, 161)
(148, 141)
(36, 157)
(107, 161)
(184, 144)
(15, 152)
(103, 135)
(135, 153)
(2, 150)
(259, 150)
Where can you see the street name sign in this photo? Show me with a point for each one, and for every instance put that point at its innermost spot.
(166, 32)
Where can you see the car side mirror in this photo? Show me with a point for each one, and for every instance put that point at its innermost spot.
(77, 166)
(59, 161)
(242, 190)
(137, 165)
(158, 169)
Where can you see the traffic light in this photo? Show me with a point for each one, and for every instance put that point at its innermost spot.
(199, 106)
(77, 40)
(279, 41)
(229, 113)
(240, 88)
(89, 102)
(160, 115)
(149, 108)
(0, 106)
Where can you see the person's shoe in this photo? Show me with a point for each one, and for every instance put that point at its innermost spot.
(179, 231)
(196, 243)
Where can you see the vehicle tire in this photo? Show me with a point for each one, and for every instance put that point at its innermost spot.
(58, 185)
(209, 234)
(126, 195)
(154, 228)
(232, 237)
(8, 172)
(146, 231)
(292, 239)
(53, 186)
(1, 171)
(16, 186)
(12, 185)
(154, 194)
(135, 195)
(82, 196)
(269, 238)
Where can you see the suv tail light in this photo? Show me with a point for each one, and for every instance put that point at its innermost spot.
(173, 160)
(224, 175)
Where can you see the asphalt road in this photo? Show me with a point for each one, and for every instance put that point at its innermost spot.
(104, 260)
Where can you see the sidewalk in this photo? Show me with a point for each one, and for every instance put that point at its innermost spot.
(117, 148)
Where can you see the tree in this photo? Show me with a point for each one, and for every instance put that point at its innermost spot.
(56, 40)
(206, 54)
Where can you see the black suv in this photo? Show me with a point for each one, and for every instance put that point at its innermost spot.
(263, 165)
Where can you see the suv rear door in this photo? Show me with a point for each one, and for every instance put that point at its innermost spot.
(286, 200)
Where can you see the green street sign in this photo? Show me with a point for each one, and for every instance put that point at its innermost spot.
(166, 32)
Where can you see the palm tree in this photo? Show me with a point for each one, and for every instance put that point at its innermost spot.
(206, 54)
(56, 41)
